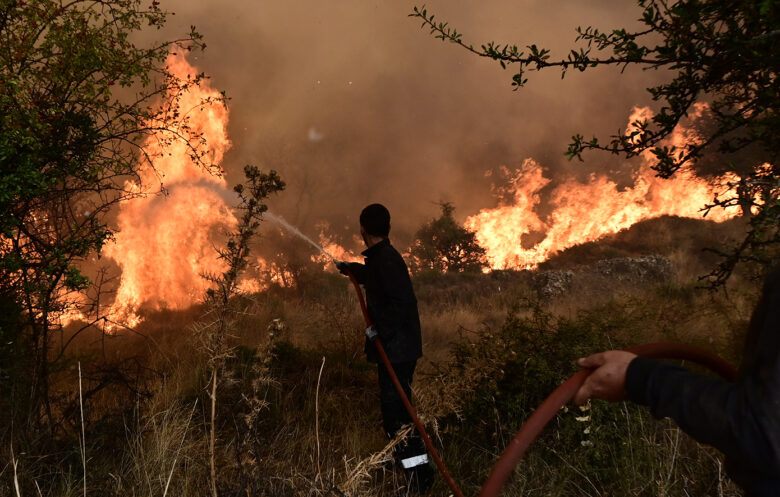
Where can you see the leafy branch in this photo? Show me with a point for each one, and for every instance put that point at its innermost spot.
(722, 54)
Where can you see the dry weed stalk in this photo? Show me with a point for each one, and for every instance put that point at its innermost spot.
(359, 475)
(353, 482)
(219, 318)
(83, 437)
(155, 448)
(254, 402)
(178, 452)
(317, 420)
(15, 463)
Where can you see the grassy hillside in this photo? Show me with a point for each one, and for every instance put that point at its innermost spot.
(298, 408)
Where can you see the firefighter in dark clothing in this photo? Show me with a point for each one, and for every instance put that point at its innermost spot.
(392, 307)
(740, 419)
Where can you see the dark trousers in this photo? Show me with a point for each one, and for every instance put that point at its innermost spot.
(411, 453)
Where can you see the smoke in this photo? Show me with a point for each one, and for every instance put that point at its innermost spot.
(353, 103)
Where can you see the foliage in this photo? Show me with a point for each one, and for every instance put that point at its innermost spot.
(78, 100)
(219, 319)
(720, 52)
(444, 245)
(597, 449)
(518, 366)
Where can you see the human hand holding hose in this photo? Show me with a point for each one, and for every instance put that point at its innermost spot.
(343, 267)
(608, 379)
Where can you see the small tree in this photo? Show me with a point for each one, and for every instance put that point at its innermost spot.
(78, 102)
(722, 53)
(444, 245)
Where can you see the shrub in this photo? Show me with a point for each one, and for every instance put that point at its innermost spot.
(597, 449)
(444, 245)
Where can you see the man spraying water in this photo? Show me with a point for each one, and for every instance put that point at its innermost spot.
(392, 307)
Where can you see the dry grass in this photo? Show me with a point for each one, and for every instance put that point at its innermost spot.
(289, 428)
(163, 455)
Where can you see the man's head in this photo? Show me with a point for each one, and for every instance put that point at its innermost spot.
(375, 222)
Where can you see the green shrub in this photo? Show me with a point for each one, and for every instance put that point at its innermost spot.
(597, 449)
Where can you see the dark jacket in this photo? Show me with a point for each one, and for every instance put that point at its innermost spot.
(391, 303)
(740, 419)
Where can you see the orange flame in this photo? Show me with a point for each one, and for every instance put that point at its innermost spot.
(164, 243)
(250, 285)
(584, 212)
(330, 246)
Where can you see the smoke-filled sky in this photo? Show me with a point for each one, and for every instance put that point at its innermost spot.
(353, 103)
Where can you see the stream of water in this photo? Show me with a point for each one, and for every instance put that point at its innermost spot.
(295, 231)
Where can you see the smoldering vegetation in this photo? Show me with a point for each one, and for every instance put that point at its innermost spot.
(297, 410)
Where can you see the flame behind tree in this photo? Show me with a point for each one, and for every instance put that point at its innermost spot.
(720, 52)
(165, 243)
(444, 245)
(582, 212)
(68, 142)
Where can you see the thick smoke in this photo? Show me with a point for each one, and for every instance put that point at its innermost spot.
(353, 103)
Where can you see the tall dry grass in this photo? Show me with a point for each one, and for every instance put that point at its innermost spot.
(287, 426)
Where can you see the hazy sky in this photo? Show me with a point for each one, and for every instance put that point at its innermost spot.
(353, 103)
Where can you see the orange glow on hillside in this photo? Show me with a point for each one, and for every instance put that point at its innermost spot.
(582, 212)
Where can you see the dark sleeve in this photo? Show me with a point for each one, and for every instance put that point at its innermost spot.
(760, 368)
(395, 288)
(712, 411)
(358, 270)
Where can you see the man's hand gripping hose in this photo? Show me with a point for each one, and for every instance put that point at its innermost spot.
(546, 410)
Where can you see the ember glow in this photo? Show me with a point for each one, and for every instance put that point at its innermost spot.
(584, 212)
(165, 243)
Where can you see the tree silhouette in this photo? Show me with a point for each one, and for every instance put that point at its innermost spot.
(444, 245)
(719, 52)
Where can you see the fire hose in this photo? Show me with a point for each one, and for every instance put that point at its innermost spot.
(535, 423)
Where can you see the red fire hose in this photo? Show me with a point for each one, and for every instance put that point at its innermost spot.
(547, 409)
(564, 393)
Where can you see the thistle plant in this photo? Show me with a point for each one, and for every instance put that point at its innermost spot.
(219, 318)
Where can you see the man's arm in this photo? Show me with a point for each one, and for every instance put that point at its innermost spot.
(711, 411)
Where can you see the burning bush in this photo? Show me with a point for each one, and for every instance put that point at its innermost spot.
(68, 143)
